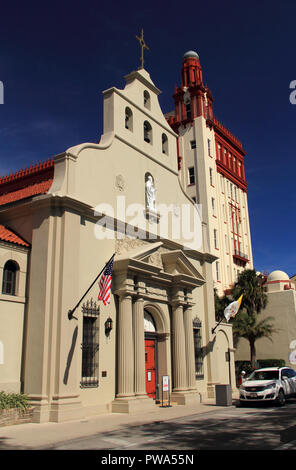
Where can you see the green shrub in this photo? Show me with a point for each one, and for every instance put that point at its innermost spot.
(13, 400)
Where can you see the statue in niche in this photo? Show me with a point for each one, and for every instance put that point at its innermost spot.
(150, 193)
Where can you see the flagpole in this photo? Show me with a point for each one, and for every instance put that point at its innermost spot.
(213, 329)
(71, 311)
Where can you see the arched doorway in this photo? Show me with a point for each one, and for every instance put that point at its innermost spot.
(151, 359)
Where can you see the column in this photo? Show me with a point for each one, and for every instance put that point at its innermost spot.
(125, 356)
(139, 335)
(190, 360)
(179, 354)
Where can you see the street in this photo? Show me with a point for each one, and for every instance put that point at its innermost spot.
(233, 428)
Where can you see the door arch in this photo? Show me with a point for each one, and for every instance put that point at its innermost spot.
(151, 356)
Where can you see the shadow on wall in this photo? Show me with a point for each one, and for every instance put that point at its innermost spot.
(70, 355)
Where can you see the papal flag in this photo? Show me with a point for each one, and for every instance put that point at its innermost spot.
(232, 309)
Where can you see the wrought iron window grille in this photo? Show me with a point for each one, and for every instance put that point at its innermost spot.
(90, 344)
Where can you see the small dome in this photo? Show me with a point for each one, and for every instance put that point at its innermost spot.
(278, 276)
(190, 54)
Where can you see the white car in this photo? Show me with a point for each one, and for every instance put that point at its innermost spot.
(269, 384)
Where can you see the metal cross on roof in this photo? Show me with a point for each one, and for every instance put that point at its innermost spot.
(143, 46)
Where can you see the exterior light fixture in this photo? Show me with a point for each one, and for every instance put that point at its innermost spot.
(108, 326)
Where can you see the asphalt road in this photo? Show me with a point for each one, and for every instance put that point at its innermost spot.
(232, 428)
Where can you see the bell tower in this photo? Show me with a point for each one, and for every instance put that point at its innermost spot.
(192, 98)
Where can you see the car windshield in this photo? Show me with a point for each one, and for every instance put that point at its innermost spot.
(264, 375)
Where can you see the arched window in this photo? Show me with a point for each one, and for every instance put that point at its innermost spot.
(147, 102)
(9, 278)
(188, 108)
(164, 144)
(147, 132)
(198, 350)
(128, 119)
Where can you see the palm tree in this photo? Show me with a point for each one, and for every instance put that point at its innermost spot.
(250, 284)
(246, 324)
(249, 327)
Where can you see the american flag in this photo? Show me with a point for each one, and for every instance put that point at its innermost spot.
(105, 284)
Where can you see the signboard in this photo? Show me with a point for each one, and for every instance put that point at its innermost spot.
(165, 383)
(165, 389)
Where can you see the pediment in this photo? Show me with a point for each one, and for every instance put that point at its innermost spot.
(176, 263)
(154, 258)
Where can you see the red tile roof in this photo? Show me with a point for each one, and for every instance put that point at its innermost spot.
(9, 236)
(27, 183)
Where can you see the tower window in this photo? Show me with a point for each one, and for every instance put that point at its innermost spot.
(147, 132)
(193, 144)
(188, 109)
(217, 271)
(164, 141)
(147, 102)
(211, 176)
(191, 175)
(9, 278)
(213, 206)
(128, 119)
(215, 238)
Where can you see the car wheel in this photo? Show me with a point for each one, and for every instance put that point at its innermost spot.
(281, 399)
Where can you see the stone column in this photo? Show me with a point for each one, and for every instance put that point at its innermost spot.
(179, 354)
(189, 343)
(125, 351)
(139, 335)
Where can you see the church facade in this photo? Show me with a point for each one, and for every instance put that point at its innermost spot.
(62, 221)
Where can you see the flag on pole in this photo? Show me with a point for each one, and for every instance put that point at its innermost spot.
(105, 284)
(232, 309)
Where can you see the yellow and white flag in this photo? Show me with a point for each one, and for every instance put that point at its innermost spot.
(232, 309)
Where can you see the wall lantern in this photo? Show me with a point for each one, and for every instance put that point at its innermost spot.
(108, 326)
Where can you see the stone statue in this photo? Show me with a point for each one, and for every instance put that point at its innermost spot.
(150, 194)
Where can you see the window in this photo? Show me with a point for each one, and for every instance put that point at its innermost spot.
(193, 144)
(90, 344)
(217, 271)
(209, 147)
(191, 175)
(128, 119)
(213, 206)
(219, 152)
(215, 238)
(188, 109)
(164, 141)
(147, 102)
(198, 350)
(9, 278)
(194, 199)
(211, 176)
(147, 132)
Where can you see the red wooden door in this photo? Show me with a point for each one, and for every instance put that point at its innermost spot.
(150, 367)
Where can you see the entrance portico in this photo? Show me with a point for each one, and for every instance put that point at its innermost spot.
(163, 290)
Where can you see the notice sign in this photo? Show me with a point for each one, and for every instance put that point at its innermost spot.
(165, 383)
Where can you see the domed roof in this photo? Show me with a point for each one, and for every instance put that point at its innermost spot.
(190, 54)
(278, 276)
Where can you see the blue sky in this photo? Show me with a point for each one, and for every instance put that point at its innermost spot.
(57, 58)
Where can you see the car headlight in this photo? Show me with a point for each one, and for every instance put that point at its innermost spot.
(242, 387)
(269, 386)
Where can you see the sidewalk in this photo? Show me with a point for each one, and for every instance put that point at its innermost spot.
(32, 436)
